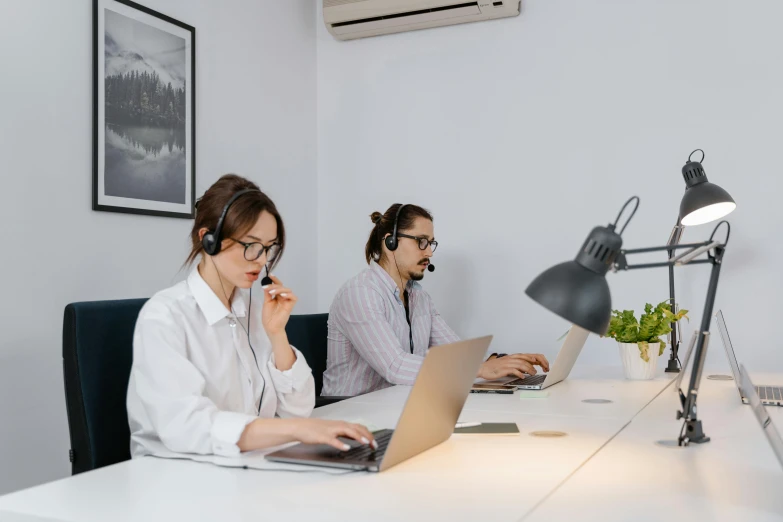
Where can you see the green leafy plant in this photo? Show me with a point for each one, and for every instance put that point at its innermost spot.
(653, 323)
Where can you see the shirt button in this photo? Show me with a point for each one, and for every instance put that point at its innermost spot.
(232, 323)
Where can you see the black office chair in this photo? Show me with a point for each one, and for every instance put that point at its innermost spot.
(97, 357)
(308, 334)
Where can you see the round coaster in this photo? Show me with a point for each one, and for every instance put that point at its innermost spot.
(548, 434)
(671, 444)
(597, 401)
(720, 377)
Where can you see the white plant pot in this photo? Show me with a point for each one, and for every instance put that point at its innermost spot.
(636, 368)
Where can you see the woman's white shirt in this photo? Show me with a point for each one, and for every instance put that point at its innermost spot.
(195, 385)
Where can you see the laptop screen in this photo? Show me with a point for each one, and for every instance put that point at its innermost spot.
(724, 337)
(773, 436)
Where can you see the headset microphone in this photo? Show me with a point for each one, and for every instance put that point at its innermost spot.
(266, 281)
(431, 267)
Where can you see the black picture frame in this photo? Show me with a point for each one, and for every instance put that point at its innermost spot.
(147, 150)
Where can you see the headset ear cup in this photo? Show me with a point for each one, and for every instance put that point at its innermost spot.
(211, 247)
(391, 243)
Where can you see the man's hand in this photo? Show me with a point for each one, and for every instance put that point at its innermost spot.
(516, 364)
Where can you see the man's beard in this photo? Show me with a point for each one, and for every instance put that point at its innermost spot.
(416, 276)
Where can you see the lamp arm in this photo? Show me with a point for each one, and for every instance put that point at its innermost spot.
(693, 430)
(674, 365)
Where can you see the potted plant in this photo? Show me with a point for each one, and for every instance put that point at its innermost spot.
(640, 341)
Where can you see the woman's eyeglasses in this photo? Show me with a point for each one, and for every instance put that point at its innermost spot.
(255, 250)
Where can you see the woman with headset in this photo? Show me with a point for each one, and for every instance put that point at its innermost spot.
(213, 374)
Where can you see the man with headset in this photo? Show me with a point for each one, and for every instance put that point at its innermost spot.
(382, 322)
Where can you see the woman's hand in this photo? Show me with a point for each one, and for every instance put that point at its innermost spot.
(266, 433)
(279, 302)
(321, 431)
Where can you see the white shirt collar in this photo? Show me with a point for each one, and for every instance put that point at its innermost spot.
(214, 310)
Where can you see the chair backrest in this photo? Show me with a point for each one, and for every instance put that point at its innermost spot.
(97, 357)
(308, 334)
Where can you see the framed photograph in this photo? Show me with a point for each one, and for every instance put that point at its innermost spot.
(144, 111)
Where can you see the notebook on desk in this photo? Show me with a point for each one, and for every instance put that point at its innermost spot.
(488, 428)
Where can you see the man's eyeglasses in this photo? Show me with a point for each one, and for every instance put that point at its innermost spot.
(423, 241)
(255, 250)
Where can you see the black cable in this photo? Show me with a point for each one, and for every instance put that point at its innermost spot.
(728, 231)
(249, 315)
(245, 466)
(629, 217)
(247, 331)
(405, 290)
(405, 295)
(682, 430)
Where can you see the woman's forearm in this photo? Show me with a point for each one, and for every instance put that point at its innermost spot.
(284, 354)
(266, 433)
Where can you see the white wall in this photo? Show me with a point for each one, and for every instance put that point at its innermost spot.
(522, 134)
(255, 113)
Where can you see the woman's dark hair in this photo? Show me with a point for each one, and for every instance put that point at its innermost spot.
(384, 224)
(241, 216)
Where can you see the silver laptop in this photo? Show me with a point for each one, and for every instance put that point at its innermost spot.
(769, 395)
(559, 370)
(773, 436)
(428, 418)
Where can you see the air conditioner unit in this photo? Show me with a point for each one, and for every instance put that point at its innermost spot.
(349, 19)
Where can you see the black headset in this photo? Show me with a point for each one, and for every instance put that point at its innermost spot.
(211, 242)
(213, 239)
(391, 241)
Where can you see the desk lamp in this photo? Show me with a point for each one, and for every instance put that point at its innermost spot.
(702, 203)
(578, 292)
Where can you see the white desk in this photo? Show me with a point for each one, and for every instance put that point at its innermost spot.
(734, 477)
(469, 477)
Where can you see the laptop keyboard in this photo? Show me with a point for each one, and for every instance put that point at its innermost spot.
(530, 380)
(366, 453)
(769, 393)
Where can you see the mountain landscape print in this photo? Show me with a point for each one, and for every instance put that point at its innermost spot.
(146, 113)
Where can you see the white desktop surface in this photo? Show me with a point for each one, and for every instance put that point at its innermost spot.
(607, 467)
(734, 477)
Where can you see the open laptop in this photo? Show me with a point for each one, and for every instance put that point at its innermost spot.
(769, 395)
(428, 418)
(772, 433)
(559, 370)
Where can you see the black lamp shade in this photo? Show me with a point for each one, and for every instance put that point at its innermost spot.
(703, 201)
(577, 290)
(575, 293)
